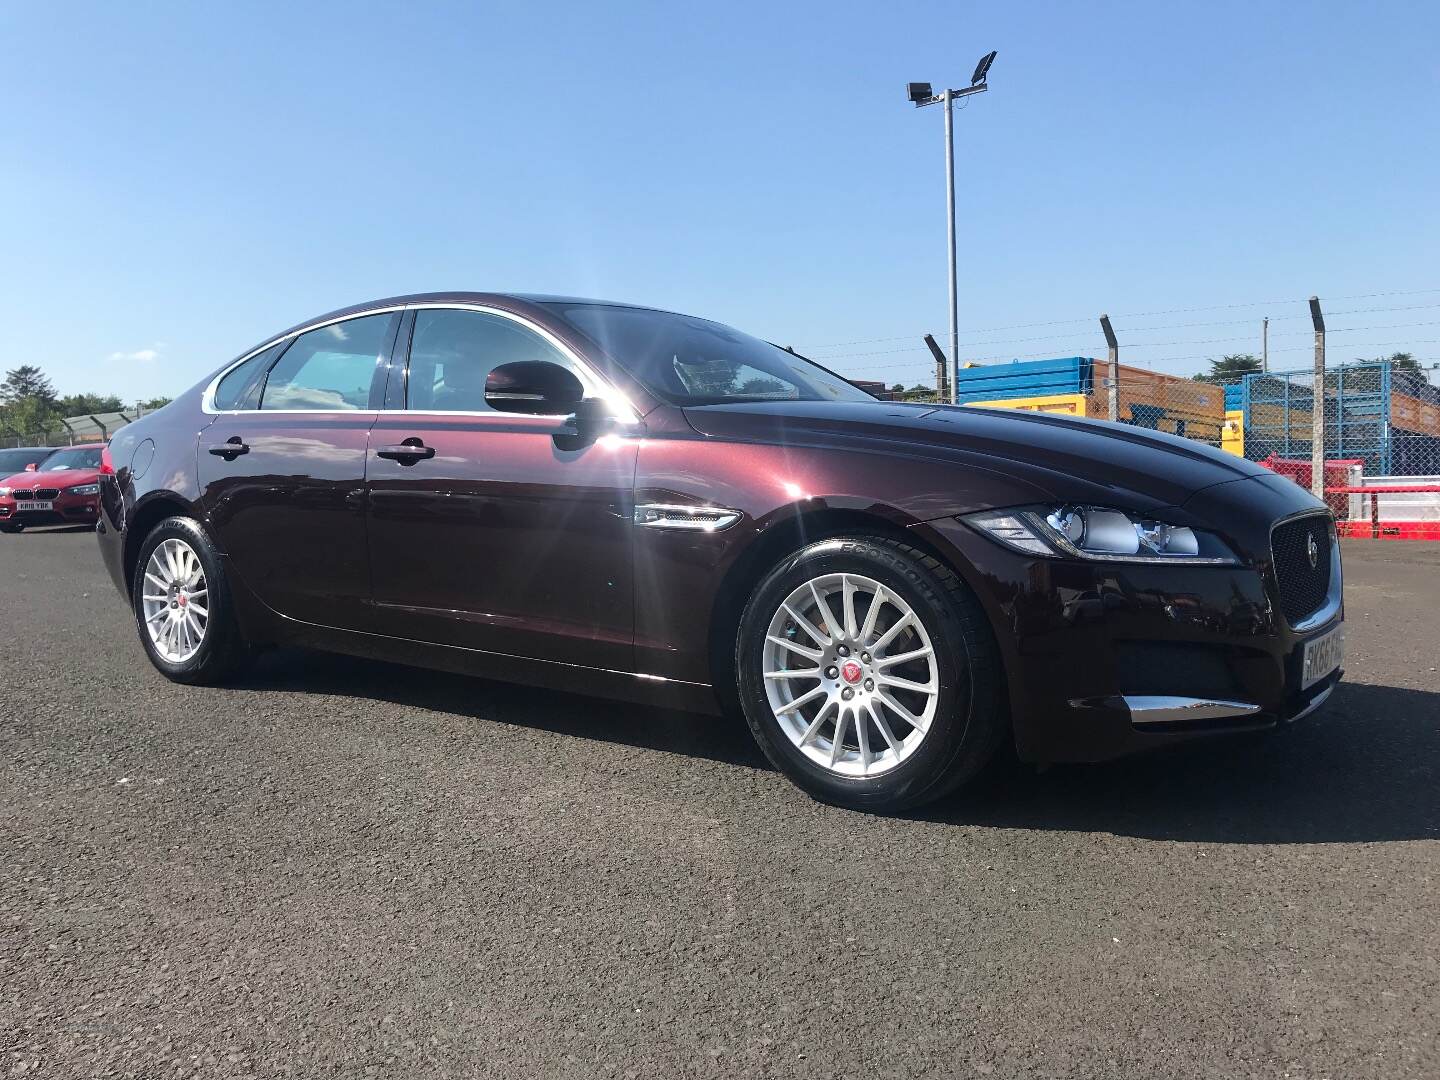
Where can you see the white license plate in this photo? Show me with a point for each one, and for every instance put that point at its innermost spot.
(33, 504)
(1322, 656)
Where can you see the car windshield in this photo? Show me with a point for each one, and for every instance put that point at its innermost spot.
(82, 457)
(690, 361)
(13, 461)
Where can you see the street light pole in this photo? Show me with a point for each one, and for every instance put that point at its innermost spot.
(922, 94)
(950, 225)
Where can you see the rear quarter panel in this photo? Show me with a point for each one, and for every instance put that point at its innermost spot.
(154, 461)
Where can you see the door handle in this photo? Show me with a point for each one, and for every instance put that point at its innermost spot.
(230, 449)
(407, 453)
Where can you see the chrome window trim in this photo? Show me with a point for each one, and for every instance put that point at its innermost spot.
(207, 399)
(1336, 593)
(596, 382)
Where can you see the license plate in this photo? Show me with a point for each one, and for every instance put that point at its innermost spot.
(33, 504)
(1322, 656)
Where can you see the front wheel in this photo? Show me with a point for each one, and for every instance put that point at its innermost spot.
(182, 605)
(868, 674)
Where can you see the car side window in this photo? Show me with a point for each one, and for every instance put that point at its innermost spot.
(330, 368)
(453, 351)
(240, 389)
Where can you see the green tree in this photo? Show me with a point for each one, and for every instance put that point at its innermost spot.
(27, 401)
(155, 403)
(1229, 368)
(85, 404)
(28, 416)
(1402, 361)
(26, 381)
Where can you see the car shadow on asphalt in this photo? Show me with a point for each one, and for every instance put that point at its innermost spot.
(1364, 769)
(690, 734)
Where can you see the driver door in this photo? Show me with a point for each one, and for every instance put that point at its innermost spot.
(486, 531)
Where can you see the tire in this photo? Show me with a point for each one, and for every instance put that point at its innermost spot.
(219, 649)
(959, 707)
(17, 527)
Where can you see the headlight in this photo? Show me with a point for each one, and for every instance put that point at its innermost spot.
(4, 491)
(1094, 532)
(85, 489)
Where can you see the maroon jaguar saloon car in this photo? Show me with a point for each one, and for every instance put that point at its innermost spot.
(628, 502)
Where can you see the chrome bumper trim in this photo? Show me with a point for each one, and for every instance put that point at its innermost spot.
(1160, 711)
(1315, 703)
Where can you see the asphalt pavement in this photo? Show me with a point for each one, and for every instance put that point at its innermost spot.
(339, 868)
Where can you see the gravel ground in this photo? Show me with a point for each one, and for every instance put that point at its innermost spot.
(348, 869)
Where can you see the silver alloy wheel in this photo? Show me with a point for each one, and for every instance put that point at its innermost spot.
(175, 601)
(850, 674)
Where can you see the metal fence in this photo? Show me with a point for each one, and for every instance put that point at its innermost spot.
(90, 428)
(1386, 419)
(1380, 424)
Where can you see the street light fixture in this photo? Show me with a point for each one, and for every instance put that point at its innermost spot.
(922, 94)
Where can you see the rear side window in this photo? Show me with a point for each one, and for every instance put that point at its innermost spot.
(241, 388)
(329, 369)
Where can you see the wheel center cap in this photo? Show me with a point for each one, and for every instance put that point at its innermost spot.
(851, 672)
(182, 599)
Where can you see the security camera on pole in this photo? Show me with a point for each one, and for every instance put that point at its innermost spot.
(924, 94)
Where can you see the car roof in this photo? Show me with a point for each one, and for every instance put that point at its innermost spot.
(500, 299)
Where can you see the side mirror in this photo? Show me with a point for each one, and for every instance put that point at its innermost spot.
(535, 387)
(32, 467)
(593, 417)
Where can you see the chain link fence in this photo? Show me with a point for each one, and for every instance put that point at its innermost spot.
(1380, 424)
(73, 430)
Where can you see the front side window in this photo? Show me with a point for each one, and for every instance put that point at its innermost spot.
(79, 457)
(453, 352)
(240, 389)
(690, 361)
(329, 369)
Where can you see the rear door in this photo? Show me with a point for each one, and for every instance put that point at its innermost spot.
(282, 468)
(499, 537)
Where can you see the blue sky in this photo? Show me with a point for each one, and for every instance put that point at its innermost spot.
(181, 180)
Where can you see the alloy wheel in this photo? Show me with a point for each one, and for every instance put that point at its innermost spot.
(175, 601)
(850, 674)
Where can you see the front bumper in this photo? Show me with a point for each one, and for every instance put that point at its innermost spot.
(66, 509)
(1107, 659)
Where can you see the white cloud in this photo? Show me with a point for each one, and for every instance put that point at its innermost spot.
(143, 356)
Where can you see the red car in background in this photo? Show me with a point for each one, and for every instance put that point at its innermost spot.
(63, 490)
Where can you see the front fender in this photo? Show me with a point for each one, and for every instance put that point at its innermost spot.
(679, 573)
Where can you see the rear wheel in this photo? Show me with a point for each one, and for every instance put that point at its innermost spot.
(868, 674)
(183, 608)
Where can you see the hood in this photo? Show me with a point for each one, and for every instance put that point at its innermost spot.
(62, 478)
(1069, 458)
